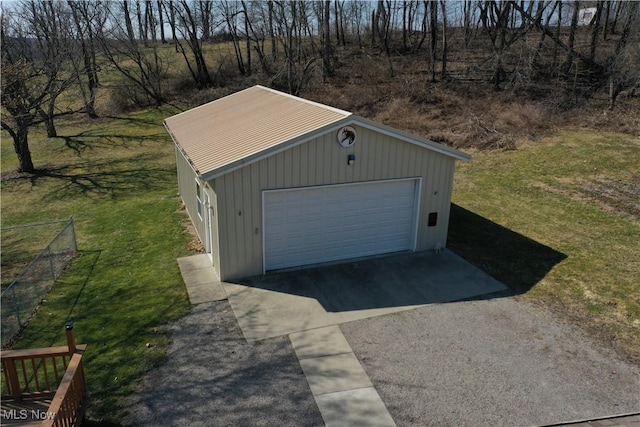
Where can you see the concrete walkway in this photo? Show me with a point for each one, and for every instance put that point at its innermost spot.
(341, 387)
(201, 279)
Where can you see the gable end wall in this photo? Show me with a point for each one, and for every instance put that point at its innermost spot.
(323, 161)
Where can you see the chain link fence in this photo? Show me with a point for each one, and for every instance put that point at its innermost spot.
(25, 293)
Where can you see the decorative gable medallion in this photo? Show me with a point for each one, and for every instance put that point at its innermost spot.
(347, 136)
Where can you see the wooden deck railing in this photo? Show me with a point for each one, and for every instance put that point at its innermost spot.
(45, 373)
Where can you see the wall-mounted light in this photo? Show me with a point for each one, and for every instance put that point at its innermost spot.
(351, 159)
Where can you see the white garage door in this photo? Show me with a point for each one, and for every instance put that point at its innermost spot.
(327, 223)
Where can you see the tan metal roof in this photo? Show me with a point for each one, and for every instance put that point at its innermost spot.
(243, 124)
(248, 125)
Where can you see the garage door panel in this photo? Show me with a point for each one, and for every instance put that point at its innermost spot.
(328, 223)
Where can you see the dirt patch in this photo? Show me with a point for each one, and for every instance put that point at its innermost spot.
(612, 195)
(604, 333)
(194, 244)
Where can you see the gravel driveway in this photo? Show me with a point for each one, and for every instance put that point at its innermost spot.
(214, 377)
(500, 362)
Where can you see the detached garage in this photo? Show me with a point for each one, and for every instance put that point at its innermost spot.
(273, 181)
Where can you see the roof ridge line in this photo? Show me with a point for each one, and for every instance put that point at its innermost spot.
(297, 98)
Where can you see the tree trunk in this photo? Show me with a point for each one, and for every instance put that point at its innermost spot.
(246, 28)
(21, 146)
(443, 75)
(342, 36)
(467, 23)
(337, 22)
(374, 28)
(48, 119)
(594, 31)
(161, 22)
(172, 24)
(607, 11)
(572, 36)
(272, 34)
(554, 55)
(616, 15)
(148, 16)
(404, 26)
(434, 37)
(140, 25)
(326, 48)
(127, 19)
(626, 30)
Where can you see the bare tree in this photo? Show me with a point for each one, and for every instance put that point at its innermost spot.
(230, 12)
(288, 19)
(86, 17)
(33, 74)
(499, 23)
(143, 68)
(190, 28)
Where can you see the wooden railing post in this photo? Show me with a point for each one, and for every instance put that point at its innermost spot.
(71, 340)
(14, 383)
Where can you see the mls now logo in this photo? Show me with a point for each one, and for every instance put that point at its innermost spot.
(24, 414)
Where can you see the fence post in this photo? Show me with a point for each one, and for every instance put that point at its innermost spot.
(15, 304)
(53, 270)
(71, 340)
(73, 234)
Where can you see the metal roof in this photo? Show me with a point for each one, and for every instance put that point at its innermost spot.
(243, 124)
(249, 125)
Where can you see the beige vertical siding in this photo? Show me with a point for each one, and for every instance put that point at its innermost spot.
(187, 188)
(323, 161)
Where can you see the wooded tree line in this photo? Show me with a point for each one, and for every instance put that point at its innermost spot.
(52, 49)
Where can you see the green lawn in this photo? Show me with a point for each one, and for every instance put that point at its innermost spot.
(116, 177)
(569, 226)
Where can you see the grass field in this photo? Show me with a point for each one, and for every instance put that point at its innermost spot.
(116, 177)
(569, 227)
(557, 220)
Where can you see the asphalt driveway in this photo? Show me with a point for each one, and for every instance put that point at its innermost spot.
(490, 360)
(214, 377)
(500, 362)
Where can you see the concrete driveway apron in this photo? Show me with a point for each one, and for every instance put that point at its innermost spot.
(283, 303)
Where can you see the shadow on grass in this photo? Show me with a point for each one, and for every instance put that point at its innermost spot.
(113, 178)
(89, 266)
(89, 140)
(515, 260)
(75, 277)
(136, 120)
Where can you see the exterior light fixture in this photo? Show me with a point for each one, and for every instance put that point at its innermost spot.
(351, 159)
